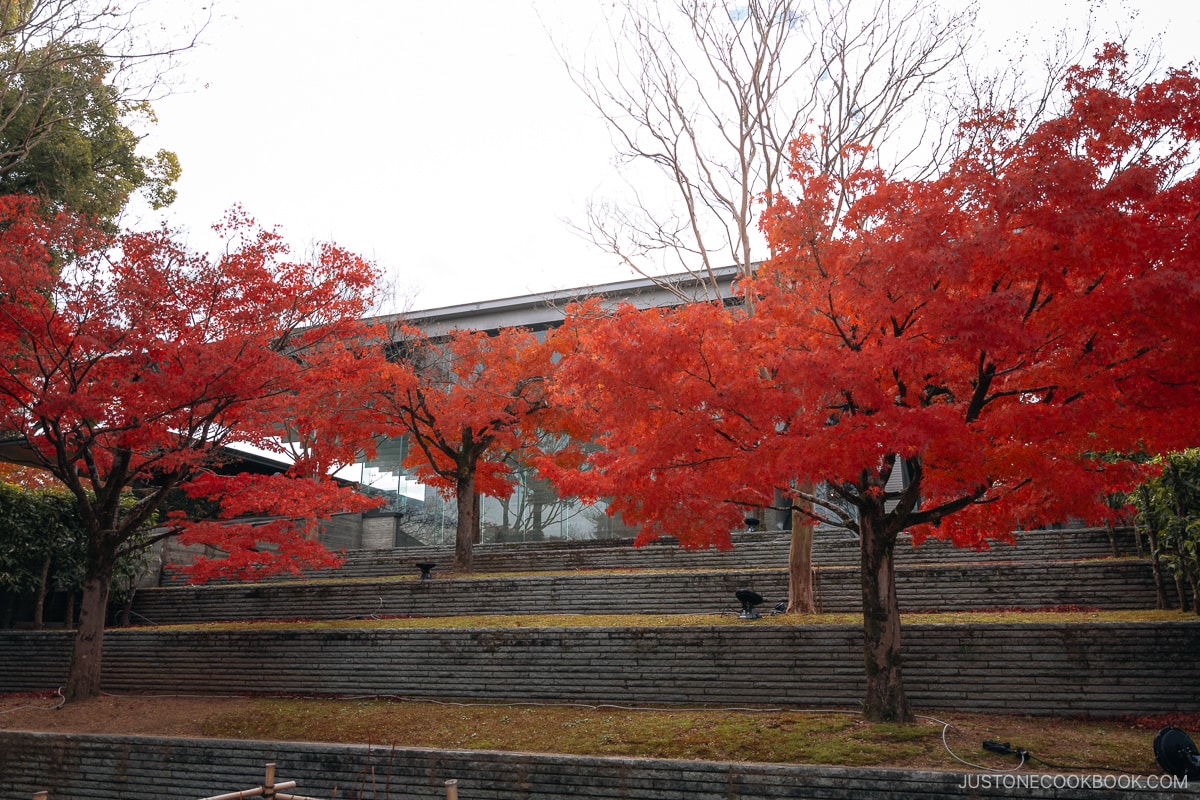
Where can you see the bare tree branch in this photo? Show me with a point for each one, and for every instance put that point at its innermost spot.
(709, 95)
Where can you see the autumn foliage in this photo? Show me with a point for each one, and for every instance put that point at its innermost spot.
(667, 409)
(469, 402)
(134, 362)
(1007, 325)
(1001, 333)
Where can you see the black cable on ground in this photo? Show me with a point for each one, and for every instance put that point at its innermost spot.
(1004, 749)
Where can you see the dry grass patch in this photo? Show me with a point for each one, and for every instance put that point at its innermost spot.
(762, 735)
(773, 736)
(501, 621)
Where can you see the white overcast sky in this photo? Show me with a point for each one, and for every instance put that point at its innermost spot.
(443, 140)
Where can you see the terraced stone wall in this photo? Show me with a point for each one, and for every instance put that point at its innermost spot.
(1104, 584)
(138, 768)
(144, 768)
(1089, 669)
(750, 551)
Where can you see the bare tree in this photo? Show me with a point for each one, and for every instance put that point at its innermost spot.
(710, 94)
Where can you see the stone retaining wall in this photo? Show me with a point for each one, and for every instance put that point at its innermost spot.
(750, 551)
(1091, 669)
(148, 768)
(1107, 584)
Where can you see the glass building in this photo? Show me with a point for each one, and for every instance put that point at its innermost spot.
(416, 514)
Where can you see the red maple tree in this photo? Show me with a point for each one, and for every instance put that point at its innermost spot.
(135, 362)
(998, 333)
(469, 403)
(664, 408)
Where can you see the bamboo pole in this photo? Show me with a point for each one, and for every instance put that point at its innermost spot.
(257, 791)
(260, 791)
(452, 789)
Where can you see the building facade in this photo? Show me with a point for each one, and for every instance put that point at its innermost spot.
(417, 514)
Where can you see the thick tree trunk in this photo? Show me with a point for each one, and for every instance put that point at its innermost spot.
(885, 700)
(800, 583)
(83, 679)
(468, 522)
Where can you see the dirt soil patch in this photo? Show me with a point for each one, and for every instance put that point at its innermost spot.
(127, 716)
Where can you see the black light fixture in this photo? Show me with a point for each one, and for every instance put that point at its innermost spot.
(426, 568)
(751, 524)
(749, 599)
(1176, 753)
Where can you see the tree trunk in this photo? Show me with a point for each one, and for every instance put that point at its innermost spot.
(1187, 566)
(1195, 595)
(885, 700)
(800, 583)
(477, 534)
(1156, 570)
(468, 521)
(1179, 576)
(83, 679)
(127, 608)
(39, 603)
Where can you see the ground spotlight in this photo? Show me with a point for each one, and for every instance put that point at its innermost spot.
(749, 599)
(1176, 753)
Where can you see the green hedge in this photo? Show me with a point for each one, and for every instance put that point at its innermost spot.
(1168, 511)
(43, 546)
